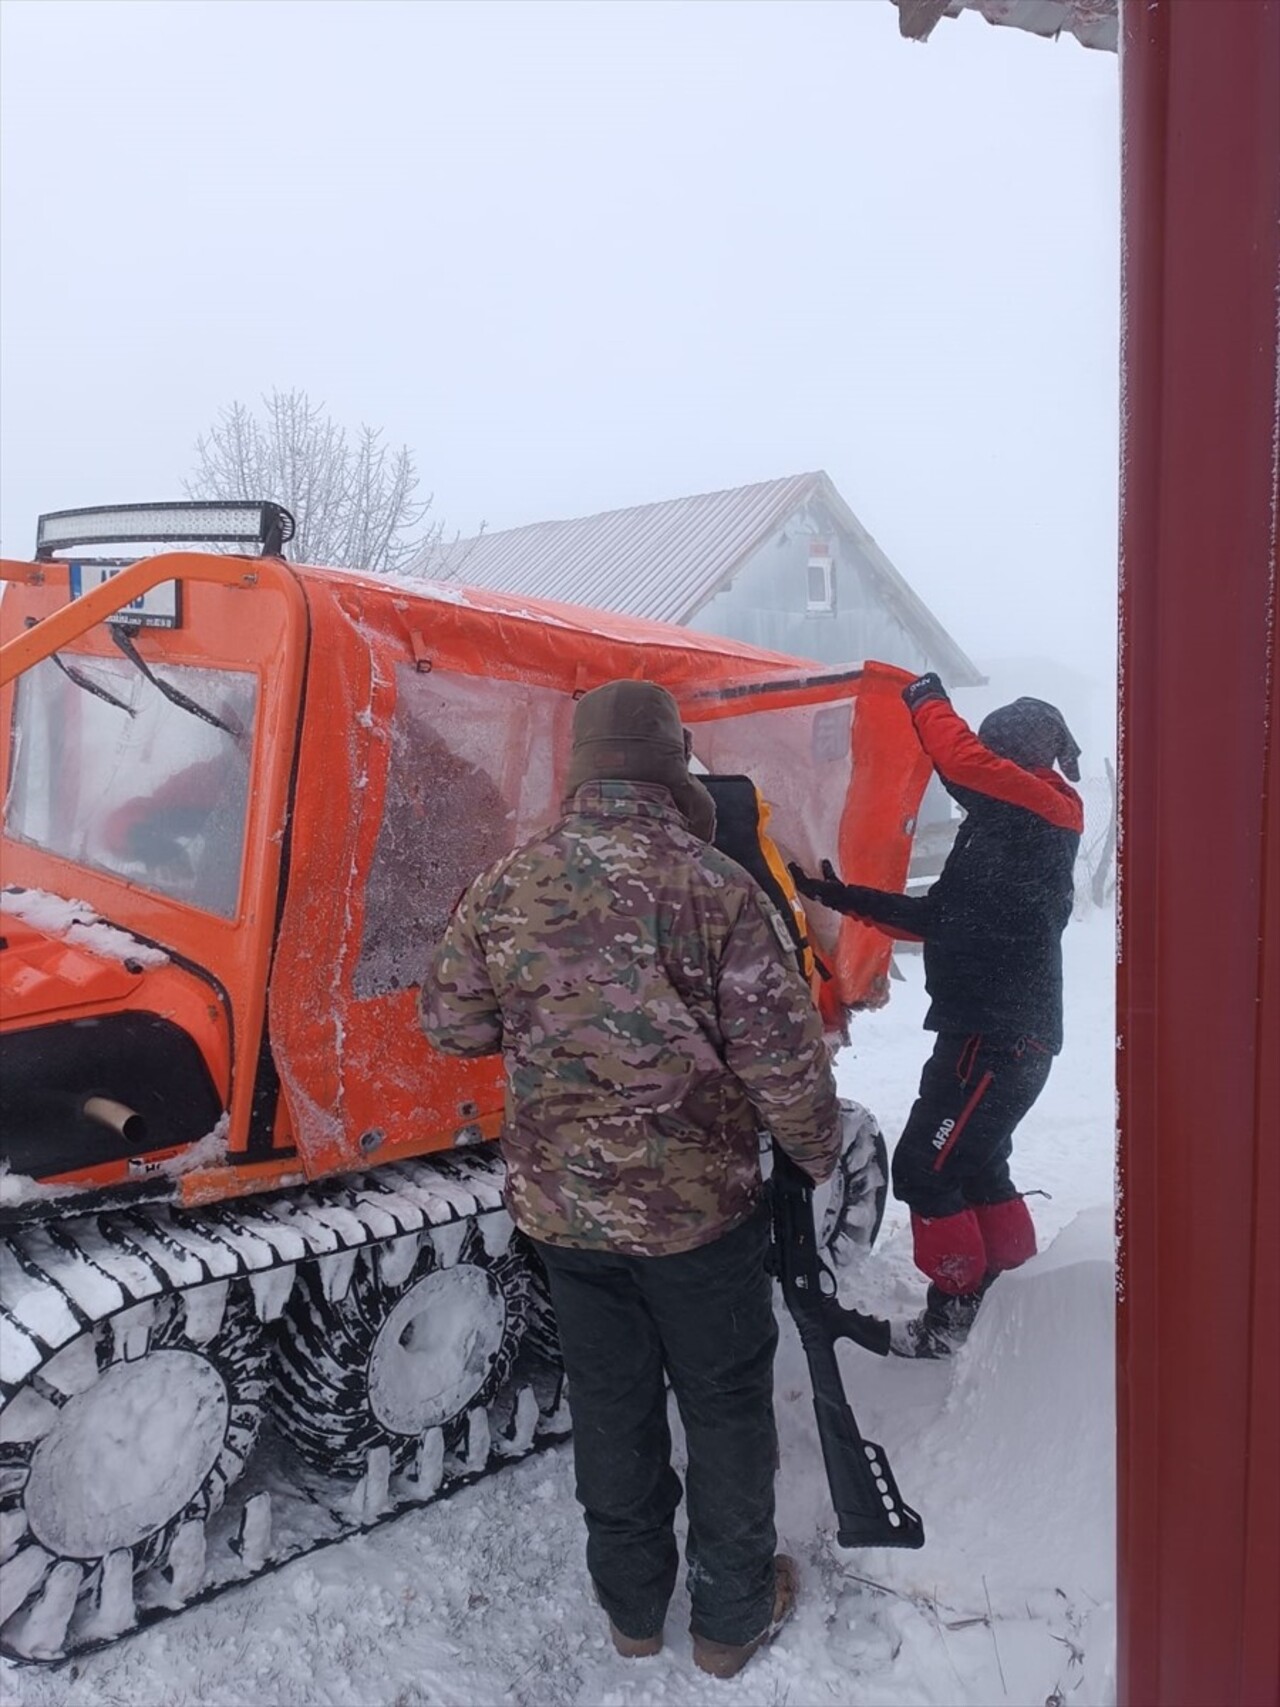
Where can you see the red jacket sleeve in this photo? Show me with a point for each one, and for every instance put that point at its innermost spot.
(961, 759)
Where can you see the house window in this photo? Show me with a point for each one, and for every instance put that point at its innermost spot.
(822, 578)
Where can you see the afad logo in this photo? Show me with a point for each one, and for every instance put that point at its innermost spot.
(944, 1132)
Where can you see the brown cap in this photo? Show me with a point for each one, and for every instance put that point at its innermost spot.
(630, 731)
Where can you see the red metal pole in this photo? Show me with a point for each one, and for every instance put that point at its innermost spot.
(1199, 973)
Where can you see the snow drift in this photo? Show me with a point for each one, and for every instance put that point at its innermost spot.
(1006, 1452)
(1024, 1449)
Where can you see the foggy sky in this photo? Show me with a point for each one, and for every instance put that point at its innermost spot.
(580, 256)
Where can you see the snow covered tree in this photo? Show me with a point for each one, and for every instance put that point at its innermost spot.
(353, 500)
(1095, 866)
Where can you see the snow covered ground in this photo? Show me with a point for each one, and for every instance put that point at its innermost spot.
(1007, 1453)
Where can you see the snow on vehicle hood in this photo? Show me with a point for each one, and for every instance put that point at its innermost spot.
(75, 922)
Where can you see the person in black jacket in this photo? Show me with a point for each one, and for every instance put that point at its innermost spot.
(992, 931)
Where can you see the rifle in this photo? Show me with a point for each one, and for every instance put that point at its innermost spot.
(870, 1512)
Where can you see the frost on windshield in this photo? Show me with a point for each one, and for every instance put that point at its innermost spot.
(143, 788)
(473, 771)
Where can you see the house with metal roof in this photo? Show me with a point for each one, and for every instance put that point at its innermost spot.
(784, 564)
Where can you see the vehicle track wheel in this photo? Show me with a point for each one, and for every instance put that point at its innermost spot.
(850, 1206)
(423, 1336)
(114, 1458)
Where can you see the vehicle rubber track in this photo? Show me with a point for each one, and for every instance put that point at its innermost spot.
(177, 1340)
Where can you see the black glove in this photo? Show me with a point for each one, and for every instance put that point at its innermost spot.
(924, 688)
(827, 889)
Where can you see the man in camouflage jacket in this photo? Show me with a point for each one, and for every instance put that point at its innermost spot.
(645, 998)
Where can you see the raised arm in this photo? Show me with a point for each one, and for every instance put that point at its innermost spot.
(965, 764)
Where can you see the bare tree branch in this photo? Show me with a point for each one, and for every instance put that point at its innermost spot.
(354, 504)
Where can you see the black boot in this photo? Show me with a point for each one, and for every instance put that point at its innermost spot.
(942, 1326)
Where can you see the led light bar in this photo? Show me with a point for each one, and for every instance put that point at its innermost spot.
(229, 522)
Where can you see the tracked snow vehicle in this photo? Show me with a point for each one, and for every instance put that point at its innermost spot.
(257, 1286)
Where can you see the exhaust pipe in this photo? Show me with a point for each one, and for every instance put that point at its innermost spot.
(118, 1116)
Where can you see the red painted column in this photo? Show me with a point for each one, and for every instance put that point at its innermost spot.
(1199, 974)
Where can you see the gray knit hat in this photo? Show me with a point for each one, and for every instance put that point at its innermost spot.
(1033, 734)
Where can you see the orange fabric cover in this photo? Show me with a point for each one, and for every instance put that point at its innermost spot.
(359, 1077)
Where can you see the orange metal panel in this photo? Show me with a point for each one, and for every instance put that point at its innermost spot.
(68, 620)
(432, 734)
(249, 617)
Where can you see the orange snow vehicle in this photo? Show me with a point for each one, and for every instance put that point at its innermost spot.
(257, 1286)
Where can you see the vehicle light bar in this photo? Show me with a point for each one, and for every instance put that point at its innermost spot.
(229, 521)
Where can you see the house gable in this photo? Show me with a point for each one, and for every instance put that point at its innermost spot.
(735, 563)
(773, 596)
(656, 561)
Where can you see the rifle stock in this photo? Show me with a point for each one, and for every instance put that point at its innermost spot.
(870, 1512)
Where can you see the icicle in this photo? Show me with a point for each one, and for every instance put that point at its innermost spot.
(448, 1242)
(371, 1494)
(422, 1481)
(271, 1291)
(253, 1538)
(518, 1437)
(556, 1419)
(473, 1450)
(205, 1306)
(335, 1272)
(74, 1369)
(113, 1609)
(13, 1478)
(184, 1570)
(39, 1632)
(20, 1577)
(131, 1332)
(29, 1417)
(396, 1258)
(496, 1230)
(13, 1526)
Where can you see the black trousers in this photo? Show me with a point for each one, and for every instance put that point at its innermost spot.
(954, 1151)
(704, 1318)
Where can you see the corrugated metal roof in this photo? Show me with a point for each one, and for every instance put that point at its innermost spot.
(664, 561)
(658, 561)
(1094, 23)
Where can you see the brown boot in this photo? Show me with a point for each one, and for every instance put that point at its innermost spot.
(630, 1647)
(635, 1647)
(725, 1659)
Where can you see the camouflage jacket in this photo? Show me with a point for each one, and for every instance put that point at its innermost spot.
(645, 998)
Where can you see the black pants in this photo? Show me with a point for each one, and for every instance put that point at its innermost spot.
(705, 1318)
(954, 1151)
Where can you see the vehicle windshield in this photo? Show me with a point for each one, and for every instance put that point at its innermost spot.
(145, 788)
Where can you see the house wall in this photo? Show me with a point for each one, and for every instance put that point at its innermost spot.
(766, 605)
(766, 602)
